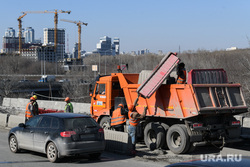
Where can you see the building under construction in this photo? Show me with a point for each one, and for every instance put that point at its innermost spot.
(49, 38)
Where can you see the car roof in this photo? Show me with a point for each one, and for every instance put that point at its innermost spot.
(65, 115)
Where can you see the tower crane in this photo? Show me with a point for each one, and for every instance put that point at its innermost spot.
(19, 19)
(79, 24)
(55, 20)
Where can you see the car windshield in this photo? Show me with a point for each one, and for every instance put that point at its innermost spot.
(82, 122)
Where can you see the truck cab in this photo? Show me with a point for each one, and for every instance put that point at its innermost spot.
(107, 95)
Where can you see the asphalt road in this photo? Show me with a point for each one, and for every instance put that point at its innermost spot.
(31, 159)
(144, 158)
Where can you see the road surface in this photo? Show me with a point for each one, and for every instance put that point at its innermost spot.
(144, 158)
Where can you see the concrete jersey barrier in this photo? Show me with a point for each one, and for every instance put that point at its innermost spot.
(3, 120)
(20, 103)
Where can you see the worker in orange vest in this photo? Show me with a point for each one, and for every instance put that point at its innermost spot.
(134, 119)
(29, 112)
(181, 73)
(118, 119)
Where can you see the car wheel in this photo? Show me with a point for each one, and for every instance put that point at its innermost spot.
(52, 153)
(154, 135)
(105, 123)
(95, 156)
(13, 144)
(178, 139)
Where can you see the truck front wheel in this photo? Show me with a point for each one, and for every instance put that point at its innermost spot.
(154, 135)
(178, 139)
(105, 123)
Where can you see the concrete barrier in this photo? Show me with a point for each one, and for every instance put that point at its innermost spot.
(20, 103)
(6, 102)
(119, 142)
(14, 120)
(3, 119)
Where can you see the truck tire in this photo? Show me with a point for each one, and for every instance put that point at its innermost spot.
(165, 127)
(154, 135)
(105, 123)
(178, 139)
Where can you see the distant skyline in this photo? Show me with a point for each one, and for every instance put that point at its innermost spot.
(142, 24)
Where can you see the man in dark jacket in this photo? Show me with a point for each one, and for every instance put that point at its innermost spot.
(181, 73)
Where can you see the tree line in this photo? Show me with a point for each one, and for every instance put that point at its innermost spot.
(236, 63)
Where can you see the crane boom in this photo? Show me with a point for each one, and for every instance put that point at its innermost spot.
(48, 11)
(78, 23)
(70, 21)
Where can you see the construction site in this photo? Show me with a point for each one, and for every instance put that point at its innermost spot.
(187, 104)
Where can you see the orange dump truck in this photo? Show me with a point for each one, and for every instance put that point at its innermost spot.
(180, 116)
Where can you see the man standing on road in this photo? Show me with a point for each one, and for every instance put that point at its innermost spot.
(68, 106)
(134, 119)
(118, 119)
(29, 112)
(35, 104)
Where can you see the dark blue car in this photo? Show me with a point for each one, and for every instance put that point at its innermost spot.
(59, 135)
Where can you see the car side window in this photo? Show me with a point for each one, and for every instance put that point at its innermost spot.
(55, 123)
(33, 122)
(45, 122)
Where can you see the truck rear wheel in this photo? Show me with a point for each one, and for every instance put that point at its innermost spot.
(105, 123)
(166, 127)
(154, 135)
(178, 139)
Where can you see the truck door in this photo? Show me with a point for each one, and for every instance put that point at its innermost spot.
(99, 98)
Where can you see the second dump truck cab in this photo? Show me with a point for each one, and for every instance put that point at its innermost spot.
(179, 116)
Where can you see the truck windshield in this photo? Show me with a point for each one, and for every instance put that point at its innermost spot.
(100, 89)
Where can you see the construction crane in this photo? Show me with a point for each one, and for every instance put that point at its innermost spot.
(79, 24)
(55, 20)
(19, 19)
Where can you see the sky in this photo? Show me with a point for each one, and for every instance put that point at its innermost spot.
(167, 25)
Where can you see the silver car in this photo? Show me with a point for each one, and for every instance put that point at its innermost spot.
(59, 135)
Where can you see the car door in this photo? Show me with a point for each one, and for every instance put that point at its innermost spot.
(41, 134)
(26, 136)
